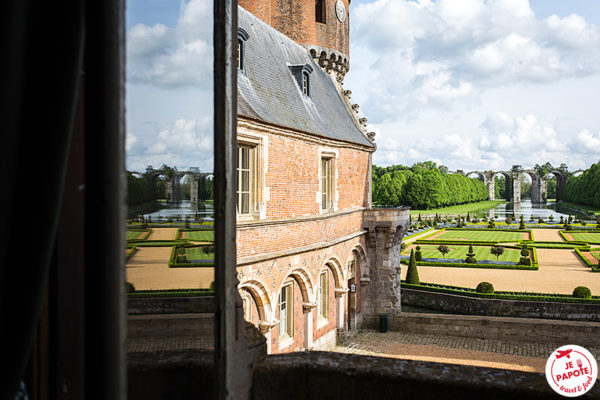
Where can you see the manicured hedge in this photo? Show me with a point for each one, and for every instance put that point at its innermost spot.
(533, 267)
(147, 231)
(452, 241)
(172, 293)
(523, 296)
(420, 233)
(173, 259)
(587, 262)
(131, 253)
(555, 245)
(158, 243)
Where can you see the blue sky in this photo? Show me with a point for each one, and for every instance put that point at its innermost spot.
(471, 84)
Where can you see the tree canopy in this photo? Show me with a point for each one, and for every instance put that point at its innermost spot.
(425, 185)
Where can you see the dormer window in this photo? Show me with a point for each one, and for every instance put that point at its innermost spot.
(302, 75)
(241, 49)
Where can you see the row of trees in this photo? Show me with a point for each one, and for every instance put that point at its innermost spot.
(585, 188)
(425, 185)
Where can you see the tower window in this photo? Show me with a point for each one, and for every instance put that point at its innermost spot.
(320, 10)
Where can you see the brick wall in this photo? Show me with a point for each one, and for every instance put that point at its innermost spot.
(296, 19)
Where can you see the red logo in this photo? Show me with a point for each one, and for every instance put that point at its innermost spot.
(571, 370)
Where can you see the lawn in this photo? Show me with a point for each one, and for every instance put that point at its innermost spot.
(132, 235)
(200, 236)
(460, 252)
(481, 235)
(585, 236)
(197, 253)
(460, 209)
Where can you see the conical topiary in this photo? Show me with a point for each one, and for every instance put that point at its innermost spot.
(418, 255)
(412, 275)
(470, 256)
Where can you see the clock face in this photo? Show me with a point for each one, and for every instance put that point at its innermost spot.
(340, 11)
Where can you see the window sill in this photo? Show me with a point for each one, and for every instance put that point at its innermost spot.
(321, 321)
(285, 341)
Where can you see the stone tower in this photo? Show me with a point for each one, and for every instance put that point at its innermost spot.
(321, 26)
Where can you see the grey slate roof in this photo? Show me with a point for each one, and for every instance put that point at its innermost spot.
(268, 91)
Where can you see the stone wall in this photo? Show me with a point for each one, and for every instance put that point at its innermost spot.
(456, 304)
(170, 305)
(500, 328)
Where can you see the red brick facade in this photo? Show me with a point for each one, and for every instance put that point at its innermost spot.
(296, 19)
(294, 240)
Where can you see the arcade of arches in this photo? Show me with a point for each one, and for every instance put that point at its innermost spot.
(539, 184)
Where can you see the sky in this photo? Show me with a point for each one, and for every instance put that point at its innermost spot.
(470, 84)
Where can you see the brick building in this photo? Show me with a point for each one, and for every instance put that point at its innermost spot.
(303, 172)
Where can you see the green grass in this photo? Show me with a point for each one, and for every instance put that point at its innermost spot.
(481, 253)
(581, 207)
(197, 253)
(131, 235)
(200, 236)
(480, 235)
(460, 209)
(585, 237)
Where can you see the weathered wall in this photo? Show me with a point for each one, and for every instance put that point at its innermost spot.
(501, 328)
(500, 308)
(170, 305)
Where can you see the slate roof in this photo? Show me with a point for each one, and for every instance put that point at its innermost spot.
(268, 91)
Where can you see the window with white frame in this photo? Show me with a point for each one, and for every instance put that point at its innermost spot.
(286, 311)
(323, 295)
(245, 179)
(326, 182)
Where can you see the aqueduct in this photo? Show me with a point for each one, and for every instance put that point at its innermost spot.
(198, 183)
(539, 189)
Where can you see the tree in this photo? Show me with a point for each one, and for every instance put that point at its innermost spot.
(412, 275)
(442, 248)
(418, 255)
(471, 256)
(522, 223)
(497, 251)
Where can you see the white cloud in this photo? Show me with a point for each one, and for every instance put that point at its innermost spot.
(588, 142)
(180, 56)
(423, 53)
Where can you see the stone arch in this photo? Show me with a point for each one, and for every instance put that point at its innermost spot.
(259, 294)
(561, 180)
(302, 277)
(536, 193)
(337, 271)
(480, 176)
(492, 184)
(578, 172)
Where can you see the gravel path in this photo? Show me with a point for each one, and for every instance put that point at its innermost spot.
(148, 269)
(163, 234)
(547, 235)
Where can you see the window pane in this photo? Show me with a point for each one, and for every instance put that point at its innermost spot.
(169, 153)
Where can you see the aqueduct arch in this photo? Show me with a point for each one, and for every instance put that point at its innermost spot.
(513, 184)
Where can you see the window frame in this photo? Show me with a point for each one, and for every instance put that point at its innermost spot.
(251, 178)
(241, 50)
(321, 10)
(323, 295)
(286, 323)
(258, 145)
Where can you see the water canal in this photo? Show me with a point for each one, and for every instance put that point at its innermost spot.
(528, 210)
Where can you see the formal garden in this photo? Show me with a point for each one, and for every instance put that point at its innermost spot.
(169, 257)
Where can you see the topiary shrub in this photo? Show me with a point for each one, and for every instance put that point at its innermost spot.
(402, 246)
(525, 252)
(412, 274)
(129, 288)
(568, 227)
(485, 287)
(212, 285)
(582, 292)
(418, 255)
(470, 256)
(525, 261)
(491, 225)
